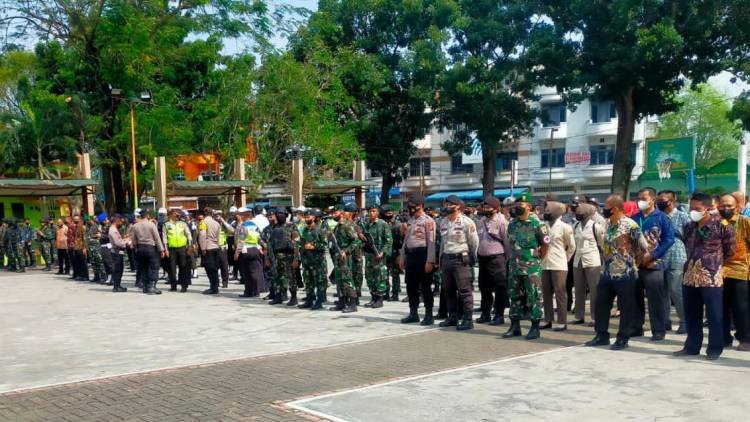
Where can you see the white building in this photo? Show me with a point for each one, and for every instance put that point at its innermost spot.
(570, 155)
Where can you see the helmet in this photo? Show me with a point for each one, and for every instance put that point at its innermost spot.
(316, 212)
(233, 209)
(162, 210)
(350, 207)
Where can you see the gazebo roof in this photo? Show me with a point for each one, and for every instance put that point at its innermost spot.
(41, 187)
(207, 187)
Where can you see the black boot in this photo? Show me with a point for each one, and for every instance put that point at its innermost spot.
(484, 318)
(173, 286)
(427, 320)
(293, 300)
(467, 323)
(514, 330)
(320, 298)
(378, 302)
(394, 297)
(151, 289)
(450, 321)
(307, 303)
(533, 333)
(351, 305)
(413, 317)
(339, 305)
(118, 288)
(498, 319)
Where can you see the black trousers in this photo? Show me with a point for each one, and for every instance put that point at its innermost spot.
(651, 282)
(179, 263)
(736, 308)
(107, 260)
(131, 260)
(211, 262)
(457, 284)
(148, 264)
(569, 284)
(80, 268)
(251, 271)
(493, 280)
(695, 300)
(224, 265)
(606, 291)
(417, 279)
(118, 265)
(63, 261)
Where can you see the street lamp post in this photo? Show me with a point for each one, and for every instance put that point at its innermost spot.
(549, 157)
(145, 98)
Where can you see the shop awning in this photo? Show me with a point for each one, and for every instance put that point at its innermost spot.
(39, 187)
(395, 191)
(206, 187)
(473, 195)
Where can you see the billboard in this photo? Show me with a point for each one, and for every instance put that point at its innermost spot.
(475, 152)
(666, 155)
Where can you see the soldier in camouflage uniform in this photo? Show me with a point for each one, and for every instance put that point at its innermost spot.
(281, 244)
(376, 272)
(46, 235)
(358, 260)
(529, 240)
(3, 232)
(95, 251)
(14, 247)
(346, 238)
(393, 282)
(310, 254)
(27, 246)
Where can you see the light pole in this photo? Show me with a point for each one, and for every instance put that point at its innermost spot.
(145, 98)
(549, 157)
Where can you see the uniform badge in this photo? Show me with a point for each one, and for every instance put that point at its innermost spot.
(546, 240)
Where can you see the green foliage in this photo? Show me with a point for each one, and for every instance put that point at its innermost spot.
(741, 110)
(704, 113)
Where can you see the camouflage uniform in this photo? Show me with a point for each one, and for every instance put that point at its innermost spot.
(3, 232)
(348, 241)
(376, 272)
(14, 248)
(358, 264)
(314, 268)
(526, 237)
(27, 247)
(280, 242)
(95, 253)
(394, 271)
(47, 237)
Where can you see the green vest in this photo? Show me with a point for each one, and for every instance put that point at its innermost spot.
(222, 237)
(252, 238)
(176, 237)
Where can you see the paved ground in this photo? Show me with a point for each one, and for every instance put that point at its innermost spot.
(244, 360)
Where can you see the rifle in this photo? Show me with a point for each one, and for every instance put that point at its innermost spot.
(332, 237)
(370, 246)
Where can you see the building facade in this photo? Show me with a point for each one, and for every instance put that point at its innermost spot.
(570, 152)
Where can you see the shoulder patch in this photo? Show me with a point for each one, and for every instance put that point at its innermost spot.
(431, 224)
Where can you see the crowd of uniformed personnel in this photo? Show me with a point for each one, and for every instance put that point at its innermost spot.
(530, 256)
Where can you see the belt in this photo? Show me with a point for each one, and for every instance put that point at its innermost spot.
(415, 250)
(456, 255)
(493, 255)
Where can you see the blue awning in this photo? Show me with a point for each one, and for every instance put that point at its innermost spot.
(473, 195)
(375, 193)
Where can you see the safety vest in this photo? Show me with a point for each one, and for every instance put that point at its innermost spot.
(176, 237)
(222, 237)
(252, 238)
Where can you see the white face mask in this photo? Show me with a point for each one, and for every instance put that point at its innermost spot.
(697, 216)
(643, 205)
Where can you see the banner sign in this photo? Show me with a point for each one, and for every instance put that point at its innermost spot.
(583, 157)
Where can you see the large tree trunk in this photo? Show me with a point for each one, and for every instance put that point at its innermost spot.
(489, 168)
(623, 165)
(385, 187)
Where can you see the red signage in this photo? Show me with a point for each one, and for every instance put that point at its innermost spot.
(578, 157)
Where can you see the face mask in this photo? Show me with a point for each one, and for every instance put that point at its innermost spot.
(643, 205)
(727, 213)
(662, 205)
(697, 216)
(607, 212)
(412, 210)
(580, 217)
(547, 216)
(518, 211)
(337, 218)
(445, 211)
(388, 217)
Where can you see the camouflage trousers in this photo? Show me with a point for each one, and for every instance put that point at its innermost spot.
(393, 283)
(525, 295)
(376, 274)
(342, 270)
(283, 273)
(28, 254)
(95, 257)
(358, 264)
(15, 256)
(315, 274)
(46, 249)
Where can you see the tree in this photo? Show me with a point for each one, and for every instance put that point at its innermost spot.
(741, 110)
(388, 55)
(637, 53)
(704, 113)
(486, 92)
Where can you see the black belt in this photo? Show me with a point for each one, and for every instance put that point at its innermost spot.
(491, 256)
(456, 255)
(415, 250)
(283, 252)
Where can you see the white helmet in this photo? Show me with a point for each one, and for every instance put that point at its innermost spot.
(162, 210)
(232, 209)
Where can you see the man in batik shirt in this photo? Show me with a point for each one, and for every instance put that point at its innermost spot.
(709, 241)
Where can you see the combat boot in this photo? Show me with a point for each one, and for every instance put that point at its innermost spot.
(427, 320)
(351, 305)
(514, 330)
(371, 302)
(413, 317)
(378, 302)
(47, 267)
(394, 297)
(118, 288)
(151, 289)
(450, 321)
(484, 318)
(276, 300)
(467, 323)
(497, 319)
(533, 333)
(293, 300)
(307, 303)
(339, 305)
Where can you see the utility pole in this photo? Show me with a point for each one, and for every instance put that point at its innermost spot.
(742, 170)
(132, 154)
(549, 157)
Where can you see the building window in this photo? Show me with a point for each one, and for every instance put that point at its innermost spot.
(414, 166)
(603, 111)
(210, 175)
(2, 212)
(554, 157)
(180, 175)
(504, 160)
(17, 211)
(553, 114)
(602, 154)
(458, 167)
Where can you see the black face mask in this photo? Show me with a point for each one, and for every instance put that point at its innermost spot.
(580, 217)
(388, 217)
(607, 212)
(412, 210)
(337, 218)
(727, 214)
(445, 211)
(547, 216)
(518, 211)
(662, 205)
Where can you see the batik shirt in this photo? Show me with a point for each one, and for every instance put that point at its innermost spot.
(659, 234)
(525, 238)
(707, 248)
(621, 244)
(676, 255)
(738, 266)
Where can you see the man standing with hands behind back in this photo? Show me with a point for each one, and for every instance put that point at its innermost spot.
(417, 259)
